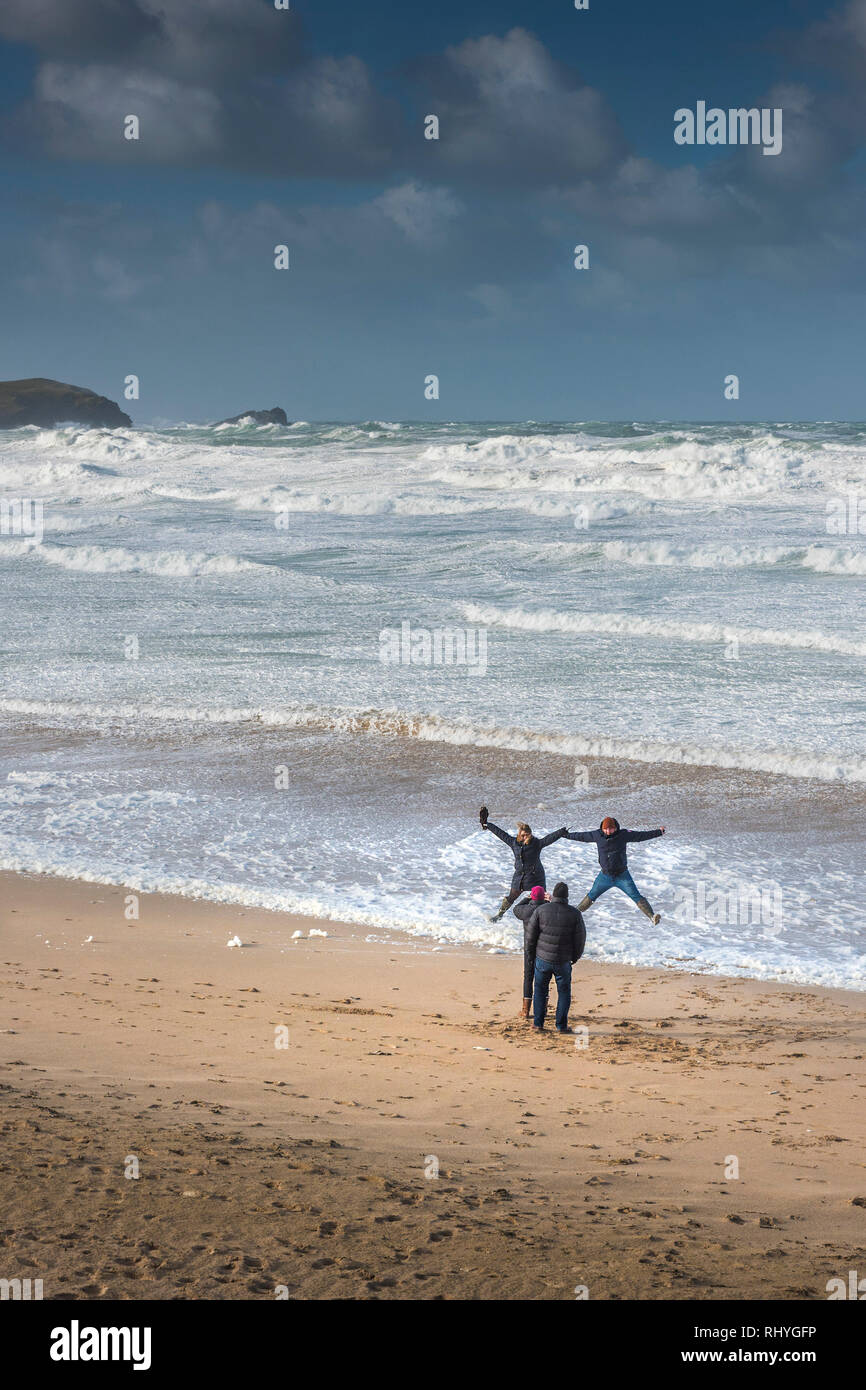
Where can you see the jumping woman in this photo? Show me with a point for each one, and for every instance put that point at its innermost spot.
(528, 868)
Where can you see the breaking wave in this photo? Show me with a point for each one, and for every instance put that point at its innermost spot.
(433, 728)
(624, 624)
(96, 559)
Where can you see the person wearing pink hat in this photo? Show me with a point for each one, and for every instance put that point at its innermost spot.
(524, 910)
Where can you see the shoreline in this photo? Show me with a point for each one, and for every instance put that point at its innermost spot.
(388, 837)
(384, 935)
(423, 940)
(306, 1166)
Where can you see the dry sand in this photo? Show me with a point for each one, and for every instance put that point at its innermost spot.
(306, 1166)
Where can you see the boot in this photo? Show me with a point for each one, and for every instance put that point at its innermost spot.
(525, 1007)
(587, 902)
(655, 917)
(503, 908)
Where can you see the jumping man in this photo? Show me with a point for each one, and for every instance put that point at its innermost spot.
(611, 841)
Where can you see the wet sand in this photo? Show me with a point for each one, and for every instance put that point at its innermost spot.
(412, 1139)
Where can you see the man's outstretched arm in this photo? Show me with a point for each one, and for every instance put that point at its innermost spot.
(634, 835)
(554, 835)
(586, 836)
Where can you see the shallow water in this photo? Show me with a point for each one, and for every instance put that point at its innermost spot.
(206, 607)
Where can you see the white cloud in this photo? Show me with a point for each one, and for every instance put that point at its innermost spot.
(495, 299)
(423, 215)
(506, 107)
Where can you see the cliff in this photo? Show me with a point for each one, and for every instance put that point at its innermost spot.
(39, 401)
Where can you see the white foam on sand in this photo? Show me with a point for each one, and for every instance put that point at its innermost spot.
(751, 947)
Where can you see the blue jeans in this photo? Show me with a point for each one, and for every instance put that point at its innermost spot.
(562, 972)
(624, 882)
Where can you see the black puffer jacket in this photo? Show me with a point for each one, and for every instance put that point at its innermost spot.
(524, 909)
(612, 849)
(556, 932)
(528, 868)
(523, 912)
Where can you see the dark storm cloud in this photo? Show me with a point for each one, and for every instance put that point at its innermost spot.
(178, 37)
(78, 29)
(835, 46)
(230, 83)
(509, 111)
(326, 120)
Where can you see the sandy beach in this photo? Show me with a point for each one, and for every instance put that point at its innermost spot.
(426, 438)
(361, 1116)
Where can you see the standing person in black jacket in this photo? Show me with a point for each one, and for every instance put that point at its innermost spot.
(557, 935)
(526, 848)
(523, 911)
(612, 842)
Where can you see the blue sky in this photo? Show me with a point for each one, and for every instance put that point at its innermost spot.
(453, 257)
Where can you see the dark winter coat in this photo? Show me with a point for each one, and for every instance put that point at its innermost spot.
(612, 849)
(556, 932)
(523, 911)
(528, 868)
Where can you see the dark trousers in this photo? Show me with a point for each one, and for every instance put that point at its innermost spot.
(562, 973)
(528, 973)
